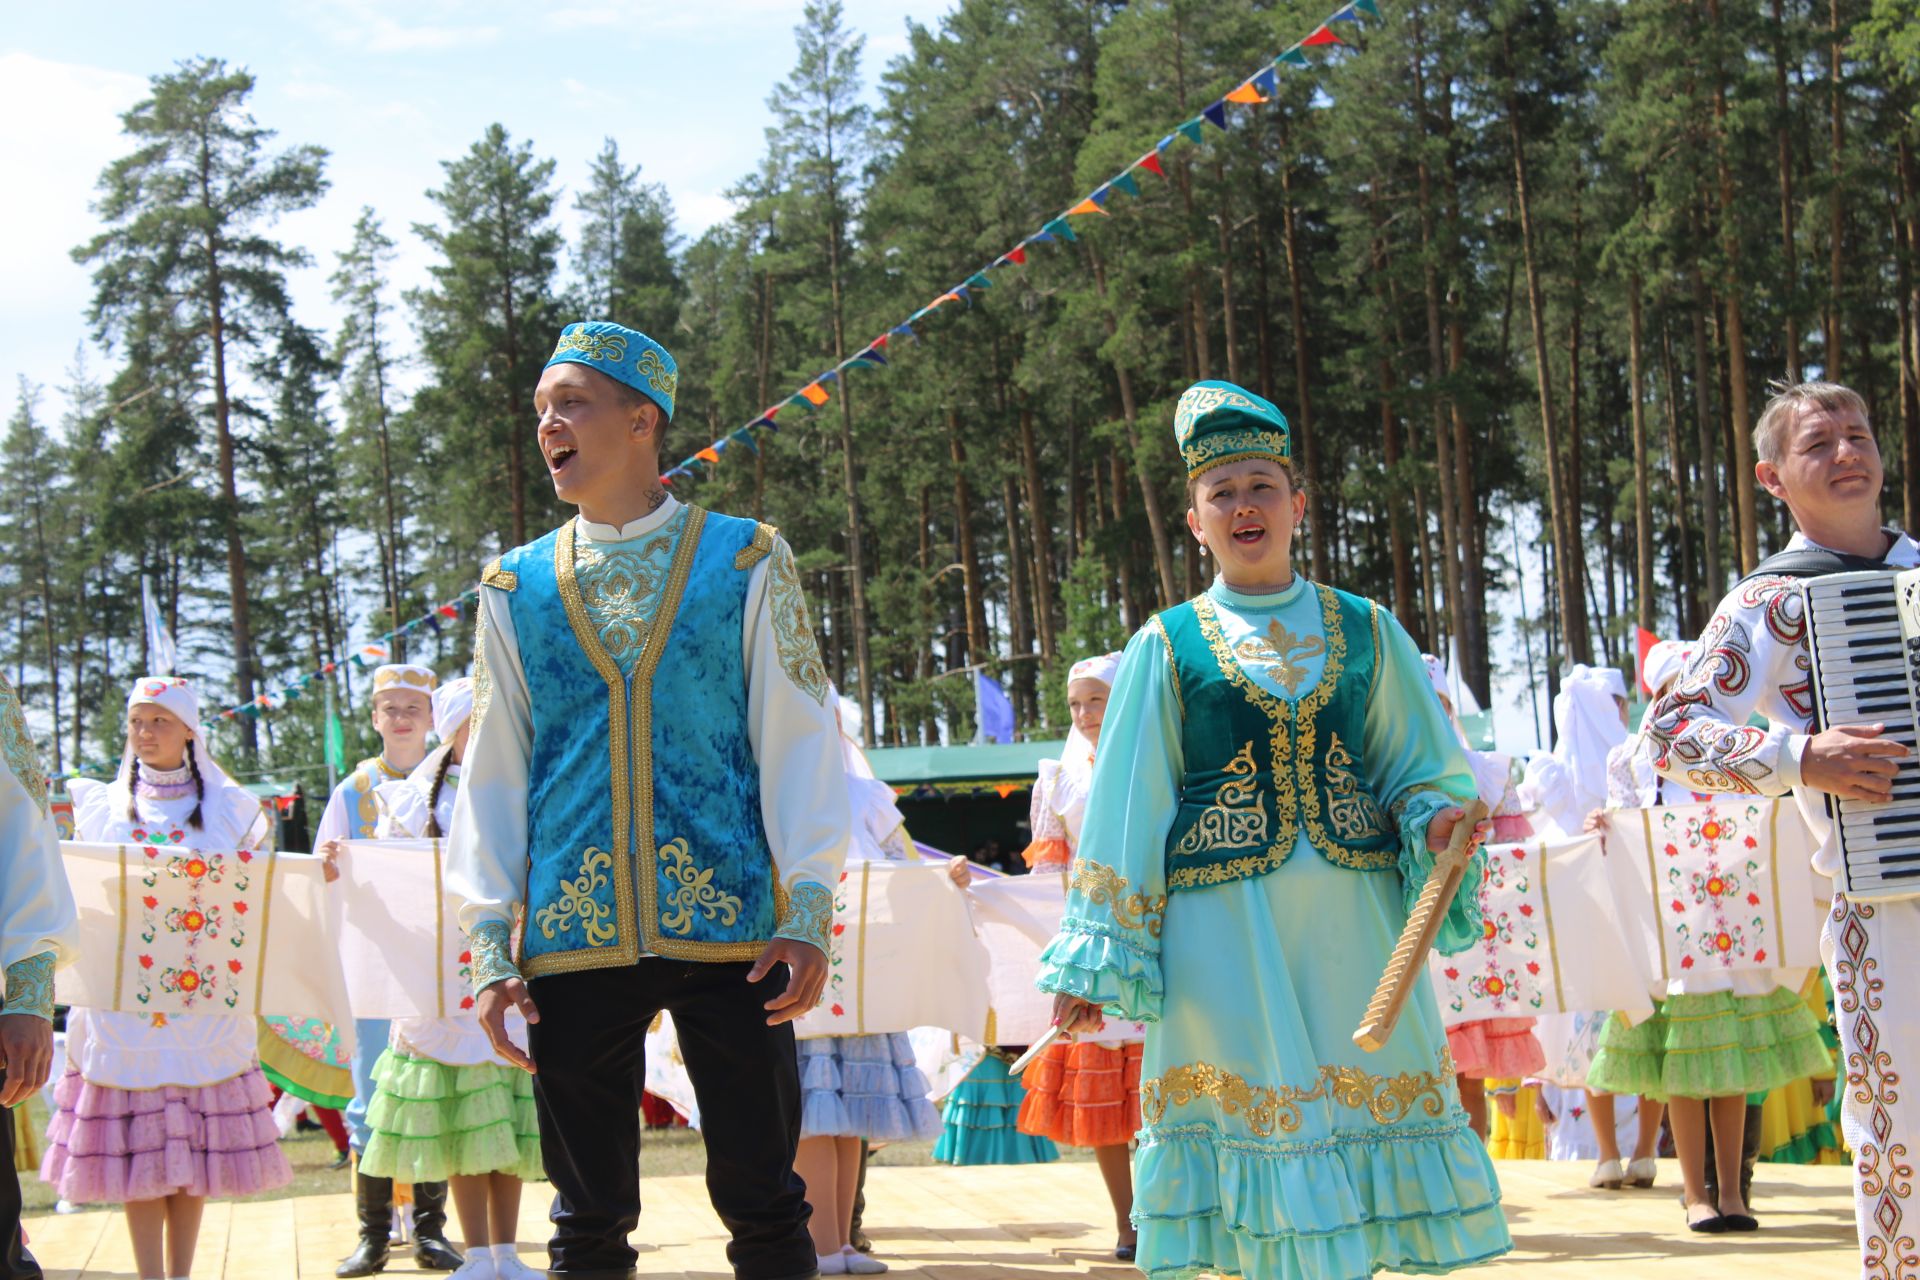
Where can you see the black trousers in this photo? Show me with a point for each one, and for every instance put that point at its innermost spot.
(589, 1045)
(15, 1262)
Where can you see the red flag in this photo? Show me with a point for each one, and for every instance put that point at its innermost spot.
(1643, 641)
(880, 341)
(1017, 255)
(1320, 37)
(1151, 160)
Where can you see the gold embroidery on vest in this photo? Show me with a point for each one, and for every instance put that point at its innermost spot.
(1354, 813)
(1266, 1109)
(1106, 887)
(1173, 667)
(482, 674)
(16, 744)
(694, 891)
(1282, 652)
(499, 579)
(1279, 748)
(620, 585)
(1235, 818)
(757, 550)
(577, 902)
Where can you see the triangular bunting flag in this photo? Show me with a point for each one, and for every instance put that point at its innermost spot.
(708, 454)
(1017, 255)
(1151, 161)
(1194, 128)
(1215, 114)
(880, 341)
(1346, 14)
(1164, 143)
(814, 394)
(826, 377)
(1058, 227)
(869, 357)
(1042, 236)
(1246, 95)
(1125, 182)
(1321, 37)
(1089, 205)
(1101, 194)
(1367, 6)
(1266, 81)
(979, 280)
(904, 330)
(1295, 56)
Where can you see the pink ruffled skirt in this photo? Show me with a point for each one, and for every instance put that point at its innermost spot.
(110, 1146)
(1499, 1048)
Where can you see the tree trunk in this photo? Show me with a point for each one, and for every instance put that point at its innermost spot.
(1042, 519)
(849, 474)
(1836, 211)
(1642, 479)
(1427, 608)
(392, 550)
(976, 609)
(1130, 613)
(1019, 628)
(1745, 511)
(1686, 613)
(1319, 532)
(1784, 164)
(241, 603)
(1225, 219)
(1713, 581)
(1568, 558)
(1149, 496)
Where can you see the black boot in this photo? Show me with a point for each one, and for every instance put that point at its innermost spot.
(373, 1200)
(430, 1247)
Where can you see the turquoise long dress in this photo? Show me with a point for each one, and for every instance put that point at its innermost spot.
(1272, 1146)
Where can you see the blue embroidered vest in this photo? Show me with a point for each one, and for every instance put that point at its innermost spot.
(357, 788)
(644, 830)
(1262, 768)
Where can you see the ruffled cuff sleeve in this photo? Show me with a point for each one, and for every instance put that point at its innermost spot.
(30, 986)
(1107, 966)
(1462, 927)
(490, 942)
(808, 916)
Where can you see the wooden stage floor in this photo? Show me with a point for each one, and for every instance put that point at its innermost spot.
(1034, 1222)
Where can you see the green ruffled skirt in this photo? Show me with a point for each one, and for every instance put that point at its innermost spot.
(1711, 1046)
(430, 1121)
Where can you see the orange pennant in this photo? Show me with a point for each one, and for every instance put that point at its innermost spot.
(815, 394)
(1247, 94)
(1086, 206)
(1003, 791)
(708, 455)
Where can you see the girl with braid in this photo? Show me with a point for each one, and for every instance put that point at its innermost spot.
(157, 1112)
(444, 1107)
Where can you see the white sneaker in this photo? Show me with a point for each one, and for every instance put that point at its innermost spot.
(859, 1264)
(831, 1264)
(511, 1268)
(478, 1266)
(1640, 1173)
(1607, 1174)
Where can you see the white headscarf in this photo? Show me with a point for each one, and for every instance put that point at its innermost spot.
(1588, 721)
(1102, 667)
(452, 707)
(228, 811)
(1665, 661)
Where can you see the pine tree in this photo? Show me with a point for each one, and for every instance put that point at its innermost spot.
(187, 214)
(625, 255)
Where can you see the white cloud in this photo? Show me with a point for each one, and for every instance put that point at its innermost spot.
(52, 175)
(364, 24)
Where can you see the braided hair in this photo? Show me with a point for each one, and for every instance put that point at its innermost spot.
(199, 788)
(133, 783)
(433, 796)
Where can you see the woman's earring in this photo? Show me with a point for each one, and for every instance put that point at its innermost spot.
(1203, 549)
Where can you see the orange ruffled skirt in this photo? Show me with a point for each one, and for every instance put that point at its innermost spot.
(1084, 1095)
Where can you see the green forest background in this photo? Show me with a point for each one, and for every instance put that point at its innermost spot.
(1508, 266)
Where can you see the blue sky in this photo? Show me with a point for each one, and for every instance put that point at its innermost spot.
(391, 91)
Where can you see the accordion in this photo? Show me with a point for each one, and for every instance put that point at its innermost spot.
(1863, 632)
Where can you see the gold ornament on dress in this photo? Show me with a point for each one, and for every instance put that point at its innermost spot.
(1268, 1109)
(16, 744)
(807, 915)
(1235, 819)
(1283, 653)
(1106, 887)
(792, 632)
(1351, 808)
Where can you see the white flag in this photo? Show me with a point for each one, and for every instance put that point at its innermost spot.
(163, 657)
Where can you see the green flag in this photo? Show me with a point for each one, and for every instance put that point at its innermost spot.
(336, 744)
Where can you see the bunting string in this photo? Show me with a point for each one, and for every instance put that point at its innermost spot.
(1257, 89)
(371, 654)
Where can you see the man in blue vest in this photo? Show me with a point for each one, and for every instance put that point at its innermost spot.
(652, 789)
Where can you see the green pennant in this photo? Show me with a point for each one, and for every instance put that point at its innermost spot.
(1295, 56)
(1058, 227)
(1367, 6)
(1193, 129)
(336, 744)
(978, 280)
(1125, 182)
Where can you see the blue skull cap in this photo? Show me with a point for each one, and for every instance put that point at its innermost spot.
(623, 354)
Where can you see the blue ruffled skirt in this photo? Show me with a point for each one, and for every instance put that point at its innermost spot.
(864, 1087)
(1272, 1147)
(978, 1122)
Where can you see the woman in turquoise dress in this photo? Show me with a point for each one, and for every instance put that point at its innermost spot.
(1274, 779)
